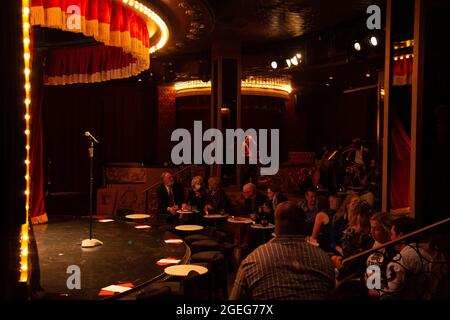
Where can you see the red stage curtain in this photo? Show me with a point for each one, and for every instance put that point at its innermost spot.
(402, 74)
(88, 64)
(37, 200)
(400, 165)
(122, 32)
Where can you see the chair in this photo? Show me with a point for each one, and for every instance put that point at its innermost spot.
(216, 265)
(195, 237)
(204, 245)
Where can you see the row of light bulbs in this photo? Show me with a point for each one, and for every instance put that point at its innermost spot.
(156, 18)
(294, 61)
(24, 237)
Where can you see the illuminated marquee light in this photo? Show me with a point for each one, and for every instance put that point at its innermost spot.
(24, 238)
(260, 84)
(156, 18)
(405, 56)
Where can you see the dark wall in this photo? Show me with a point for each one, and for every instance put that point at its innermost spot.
(337, 118)
(306, 122)
(436, 118)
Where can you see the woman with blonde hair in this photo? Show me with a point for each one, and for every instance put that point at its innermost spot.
(341, 219)
(196, 196)
(216, 198)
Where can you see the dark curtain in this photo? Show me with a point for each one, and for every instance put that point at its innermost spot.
(120, 116)
(37, 201)
(400, 164)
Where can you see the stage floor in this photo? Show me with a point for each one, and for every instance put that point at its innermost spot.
(128, 255)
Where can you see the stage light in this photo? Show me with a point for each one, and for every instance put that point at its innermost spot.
(294, 61)
(288, 62)
(331, 77)
(274, 64)
(357, 46)
(299, 56)
(368, 74)
(373, 41)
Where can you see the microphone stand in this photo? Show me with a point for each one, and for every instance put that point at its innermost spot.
(90, 243)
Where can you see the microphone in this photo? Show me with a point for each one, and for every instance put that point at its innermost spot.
(89, 135)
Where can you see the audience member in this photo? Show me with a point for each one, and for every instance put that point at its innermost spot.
(310, 206)
(287, 267)
(216, 199)
(253, 200)
(274, 197)
(340, 221)
(170, 196)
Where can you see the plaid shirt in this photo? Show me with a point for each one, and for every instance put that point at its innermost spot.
(286, 268)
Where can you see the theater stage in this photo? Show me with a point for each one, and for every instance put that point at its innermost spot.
(128, 255)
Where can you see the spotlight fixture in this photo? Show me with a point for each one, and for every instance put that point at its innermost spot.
(274, 64)
(368, 75)
(294, 61)
(331, 77)
(357, 46)
(298, 55)
(288, 62)
(373, 41)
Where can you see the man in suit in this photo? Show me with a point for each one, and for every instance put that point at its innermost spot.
(170, 196)
(252, 200)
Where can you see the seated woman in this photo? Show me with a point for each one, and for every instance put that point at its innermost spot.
(340, 221)
(355, 239)
(274, 197)
(380, 229)
(196, 198)
(216, 199)
(322, 225)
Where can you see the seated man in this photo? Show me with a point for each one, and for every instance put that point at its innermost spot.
(302, 271)
(409, 272)
(252, 200)
(170, 196)
(275, 197)
(311, 207)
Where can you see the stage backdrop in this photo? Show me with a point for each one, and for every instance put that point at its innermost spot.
(121, 115)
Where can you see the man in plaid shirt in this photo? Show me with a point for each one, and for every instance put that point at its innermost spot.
(287, 267)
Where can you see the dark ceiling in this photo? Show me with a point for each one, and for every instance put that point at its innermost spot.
(252, 22)
(268, 29)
